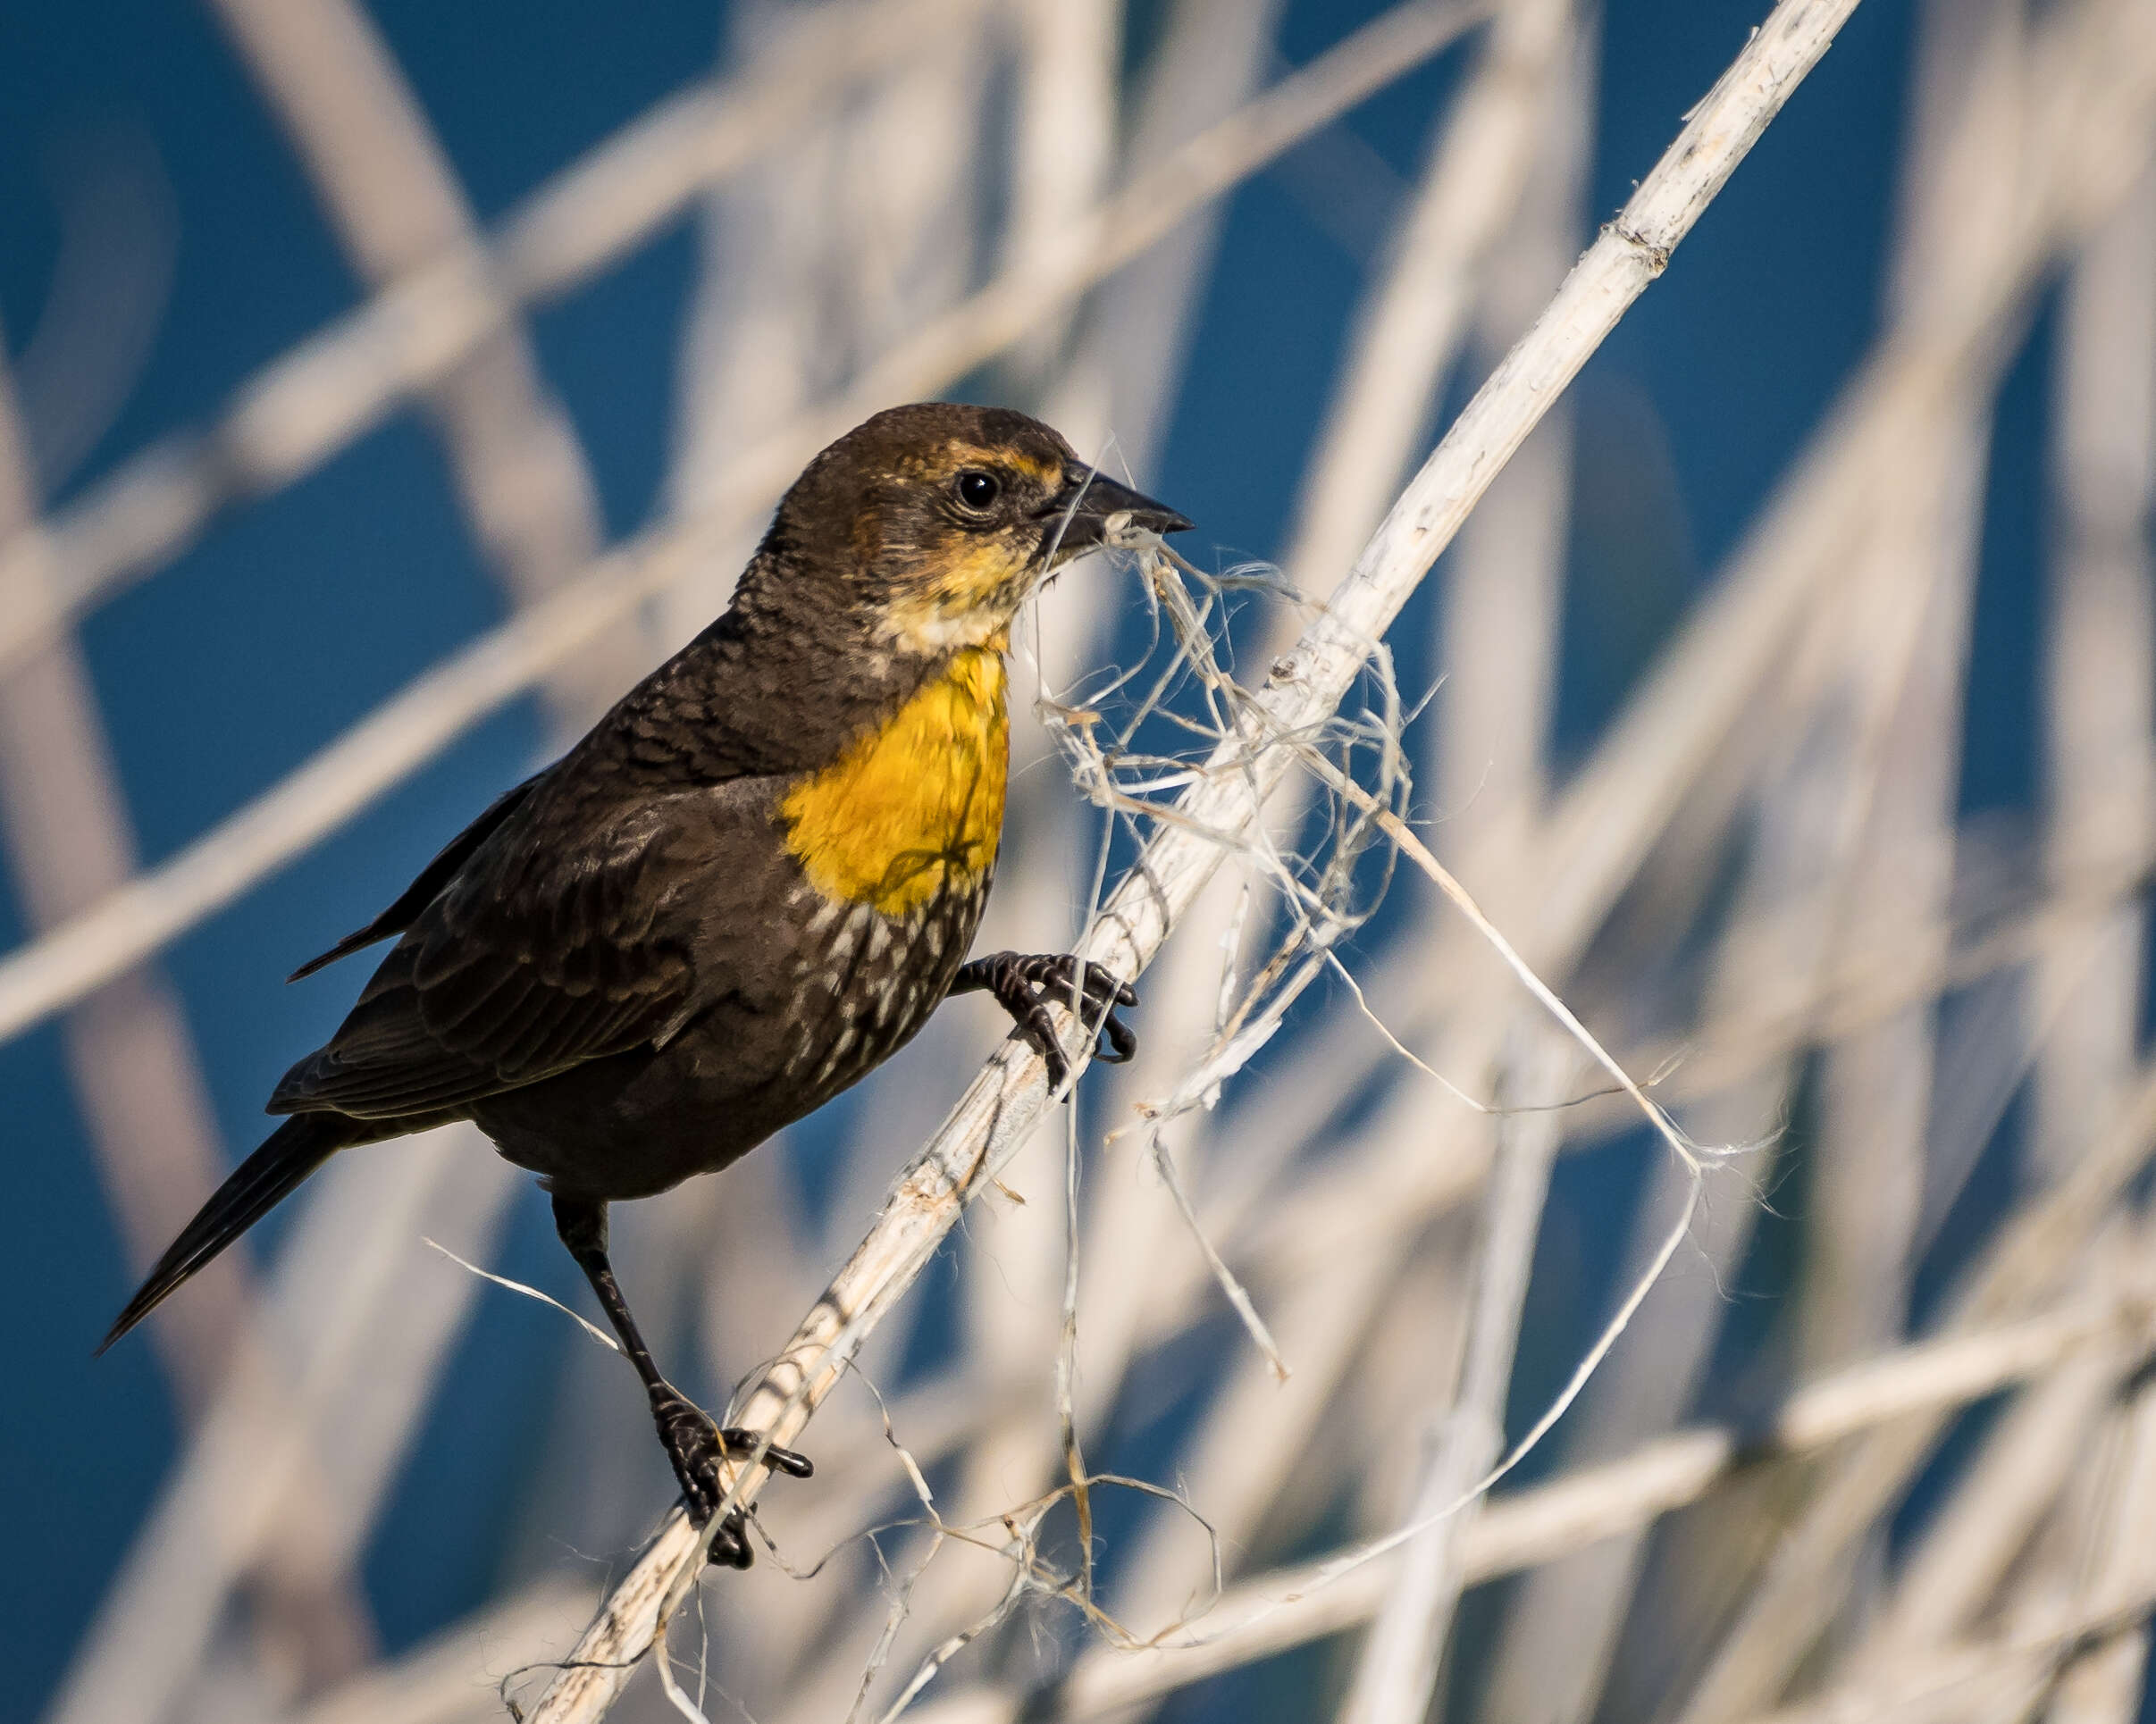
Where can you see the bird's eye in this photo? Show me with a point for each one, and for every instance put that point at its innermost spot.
(977, 490)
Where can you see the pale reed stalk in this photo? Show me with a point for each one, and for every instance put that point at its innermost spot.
(2115, 50)
(1395, 1677)
(2002, 1677)
(1289, 1607)
(2014, 1481)
(2105, 1688)
(2038, 1249)
(2034, 1465)
(130, 1051)
(2099, 711)
(2100, 704)
(1868, 1164)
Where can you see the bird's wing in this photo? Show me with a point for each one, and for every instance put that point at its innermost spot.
(571, 941)
(432, 879)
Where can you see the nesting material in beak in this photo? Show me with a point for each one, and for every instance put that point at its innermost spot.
(1091, 506)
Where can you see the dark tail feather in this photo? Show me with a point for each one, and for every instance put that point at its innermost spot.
(258, 1185)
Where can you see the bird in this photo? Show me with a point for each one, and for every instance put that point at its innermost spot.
(745, 888)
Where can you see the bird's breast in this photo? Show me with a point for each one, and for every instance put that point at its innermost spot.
(914, 810)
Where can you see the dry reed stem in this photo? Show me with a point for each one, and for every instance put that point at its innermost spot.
(1903, 966)
(1304, 686)
(1908, 620)
(1965, 1552)
(1063, 154)
(2004, 1677)
(1869, 1166)
(1119, 386)
(1396, 1678)
(451, 1678)
(2100, 705)
(1949, 319)
(2037, 1248)
(2091, 140)
(2106, 1688)
(1289, 1607)
(1497, 641)
(1486, 762)
(1561, 1625)
(441, 704)
(2100, 700)
(2039, 1453)
(2094, 74)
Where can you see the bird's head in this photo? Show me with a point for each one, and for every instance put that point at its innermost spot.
(932, 523)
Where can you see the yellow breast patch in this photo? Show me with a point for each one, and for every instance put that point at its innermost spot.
(916, 807)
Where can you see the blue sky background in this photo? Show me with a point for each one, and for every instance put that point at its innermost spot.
(291, 618)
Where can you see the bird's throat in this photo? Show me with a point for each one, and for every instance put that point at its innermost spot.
(915, 807)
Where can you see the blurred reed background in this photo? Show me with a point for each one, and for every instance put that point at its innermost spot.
(387, 388)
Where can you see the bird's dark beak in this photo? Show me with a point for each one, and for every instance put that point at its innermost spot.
(1090, 501)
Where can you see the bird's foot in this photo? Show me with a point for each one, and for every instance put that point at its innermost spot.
(1026, 984)
(697, 1444)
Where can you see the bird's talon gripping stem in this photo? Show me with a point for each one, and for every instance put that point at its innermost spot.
(696, 1445)
(1027, 984)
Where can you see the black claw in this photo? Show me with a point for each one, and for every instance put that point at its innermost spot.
(1025, 984)
(742, 1441)
(731, 1548)
(696, 1445)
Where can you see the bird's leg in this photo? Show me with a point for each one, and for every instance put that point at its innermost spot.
(1025, 984)
(693, 1441)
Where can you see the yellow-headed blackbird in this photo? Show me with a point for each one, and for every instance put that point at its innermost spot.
(747, 887)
